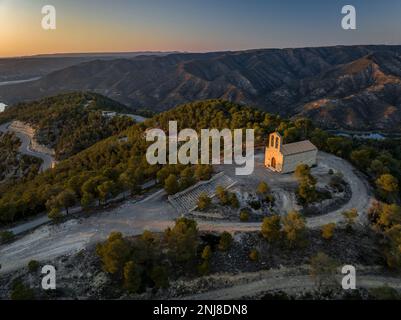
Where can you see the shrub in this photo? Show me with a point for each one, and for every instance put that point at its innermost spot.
(159, 276)
(132, 277)
(244, 215)
(171, 184)
(207, 253)
(233, 200)
(328, 231)
(6, 236)
(33, 266)
(204, 267)
(263, 189)
(350, 217)
(204, 201)
(225, 241)
(20, 291)
(254, 255)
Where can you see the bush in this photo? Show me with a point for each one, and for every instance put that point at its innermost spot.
(255, 205)
(271, 228)
(244, 215)
(233, 200)
(33, 266)
(254, 255)
(6, 236)
(20, 291)
(294, 229)
(323, 270)
(171, 184)
(263, 189)
(204, 201)
(222, 195)
(207, 253)
(204, 267)
(328, 231)
(132, 277)
(225, 241)
(159, 276)
(350, 217)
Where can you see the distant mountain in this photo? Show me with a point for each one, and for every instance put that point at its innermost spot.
(22, 68)
(350, 87)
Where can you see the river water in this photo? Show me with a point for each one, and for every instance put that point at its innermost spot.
(2, 106)
(8, 83)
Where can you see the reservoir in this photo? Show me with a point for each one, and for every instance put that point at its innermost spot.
(2, 106)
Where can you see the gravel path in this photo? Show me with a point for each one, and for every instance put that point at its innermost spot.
(278, 280)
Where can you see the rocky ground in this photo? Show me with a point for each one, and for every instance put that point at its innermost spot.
(80, 276)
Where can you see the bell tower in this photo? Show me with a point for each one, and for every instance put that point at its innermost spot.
(275, 141)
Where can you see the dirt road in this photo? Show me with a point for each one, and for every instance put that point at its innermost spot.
(47, 160)
(154, 214)
(256, 284)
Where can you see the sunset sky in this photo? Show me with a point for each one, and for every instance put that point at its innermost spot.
(191, 25)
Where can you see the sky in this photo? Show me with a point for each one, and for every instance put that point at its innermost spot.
(192, 25)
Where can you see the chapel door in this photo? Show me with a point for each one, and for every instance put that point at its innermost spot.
(273, 163)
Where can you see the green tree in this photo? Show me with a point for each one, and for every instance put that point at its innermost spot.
(182, 240)
(132, 277)
(114, 253)
(33, 266)
(271, 228)
(390, 215)
(222, 195)
(387, 183)
(19, 291)
(207, 253)
(233, 200)
(6, 236)
(171, 184)
(159, 276)
(294, 228)
(66, 199)
(225, 241)
(244, 215)
(350, 217)
(323, 270)
(204, 201)
(106, 190)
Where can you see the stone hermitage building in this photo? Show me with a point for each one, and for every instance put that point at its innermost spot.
(285, 158)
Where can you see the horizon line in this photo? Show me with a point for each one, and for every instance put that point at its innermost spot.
(144, 52)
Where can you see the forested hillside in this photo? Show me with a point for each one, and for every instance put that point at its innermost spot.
(119, 163)
(13, 165)
(70, 123)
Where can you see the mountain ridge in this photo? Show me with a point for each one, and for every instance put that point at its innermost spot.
(340, 87)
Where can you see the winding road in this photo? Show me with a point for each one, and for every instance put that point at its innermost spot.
(47, 160)
(155, 214)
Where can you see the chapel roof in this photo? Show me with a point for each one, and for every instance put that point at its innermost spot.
(297, 147)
